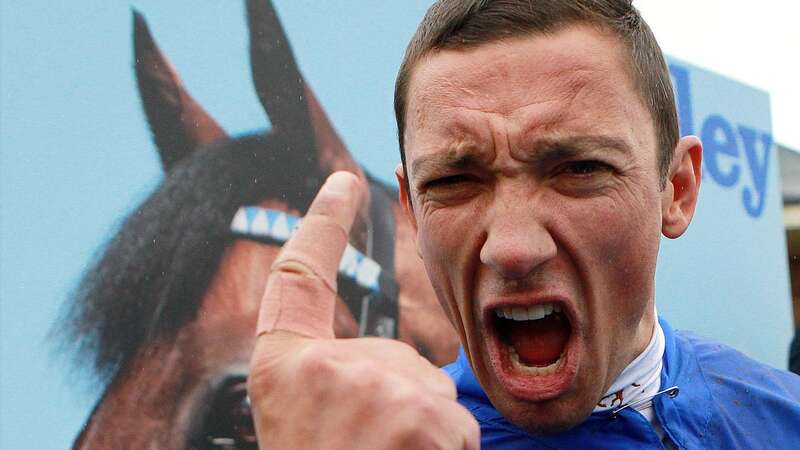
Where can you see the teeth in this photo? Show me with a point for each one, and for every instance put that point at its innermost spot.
(534, 312)
(533, 370)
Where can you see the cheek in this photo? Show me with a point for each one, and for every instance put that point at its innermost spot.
(446, 242)
(620, 254)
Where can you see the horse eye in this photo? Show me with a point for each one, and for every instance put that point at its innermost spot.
(229, 422)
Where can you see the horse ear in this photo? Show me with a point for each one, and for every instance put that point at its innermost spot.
(277, 79)
(332, 154)
(178, 123)
(284, 94)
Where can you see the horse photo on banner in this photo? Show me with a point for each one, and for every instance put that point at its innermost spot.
(167, 314)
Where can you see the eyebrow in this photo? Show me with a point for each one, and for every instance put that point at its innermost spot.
(542, 152)
(545, 152)
(452, 160)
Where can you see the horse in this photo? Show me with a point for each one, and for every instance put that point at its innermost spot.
(166, 315)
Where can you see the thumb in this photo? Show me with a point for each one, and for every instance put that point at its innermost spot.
(300, 296)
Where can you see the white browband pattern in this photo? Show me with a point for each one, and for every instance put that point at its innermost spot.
(271, 225)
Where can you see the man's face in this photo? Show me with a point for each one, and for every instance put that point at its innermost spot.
(534, 191)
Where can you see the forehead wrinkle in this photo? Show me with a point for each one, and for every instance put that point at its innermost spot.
(441, 91)
(454, 134)
(561, 86)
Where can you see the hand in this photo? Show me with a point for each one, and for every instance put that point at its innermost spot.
(309, 390)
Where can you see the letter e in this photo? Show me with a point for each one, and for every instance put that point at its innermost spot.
(719, 139)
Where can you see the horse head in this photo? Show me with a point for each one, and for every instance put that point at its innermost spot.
(168, 311)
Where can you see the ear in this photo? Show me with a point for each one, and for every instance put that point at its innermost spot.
(287, 99)
(178, 123)
(404, 197)
(679, 197)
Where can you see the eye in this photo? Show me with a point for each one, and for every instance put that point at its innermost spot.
(450, 183)
(585, 167)
(449, 180)
(228, 424)
(450, 189)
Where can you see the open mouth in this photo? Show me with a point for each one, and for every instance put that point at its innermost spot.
(533, 349)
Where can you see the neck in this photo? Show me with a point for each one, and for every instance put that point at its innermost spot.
(640, 379)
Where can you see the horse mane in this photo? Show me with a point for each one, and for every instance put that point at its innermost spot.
(150, 278)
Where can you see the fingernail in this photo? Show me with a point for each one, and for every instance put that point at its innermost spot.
(340, 183)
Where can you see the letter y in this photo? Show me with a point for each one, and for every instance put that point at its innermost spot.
(754, 204)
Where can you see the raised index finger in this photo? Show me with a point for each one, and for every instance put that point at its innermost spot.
(300, 295)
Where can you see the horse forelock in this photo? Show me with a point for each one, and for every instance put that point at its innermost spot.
(150, 278)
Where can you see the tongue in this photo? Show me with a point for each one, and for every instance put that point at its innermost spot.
(539, 342)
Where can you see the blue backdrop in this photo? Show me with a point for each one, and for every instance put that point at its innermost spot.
(76, 157)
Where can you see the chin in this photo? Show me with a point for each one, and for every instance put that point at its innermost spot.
(545, 417)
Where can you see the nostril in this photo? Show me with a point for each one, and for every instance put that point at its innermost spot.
(515, 254)
(509, 263)
(226, 421)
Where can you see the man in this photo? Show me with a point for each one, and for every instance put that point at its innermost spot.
(541, 165)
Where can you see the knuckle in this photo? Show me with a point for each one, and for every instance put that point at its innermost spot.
(414, 438)
(421, 407)
(466, 426)
(427, 412)
(448, 386)
(271, 372)
(319, 379)
(427, 422)
(442, 391)
(422, 427)
(472, 430)
(369, 376)
(314, 362)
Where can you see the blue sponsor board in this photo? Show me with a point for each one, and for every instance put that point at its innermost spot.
(728, 276)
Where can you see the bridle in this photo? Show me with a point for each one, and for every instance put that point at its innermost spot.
(365, 282)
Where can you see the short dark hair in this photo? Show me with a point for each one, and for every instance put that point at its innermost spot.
(451, 24)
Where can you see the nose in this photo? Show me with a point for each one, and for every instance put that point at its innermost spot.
(517, 241)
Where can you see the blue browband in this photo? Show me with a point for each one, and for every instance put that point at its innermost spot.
(379, 288)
